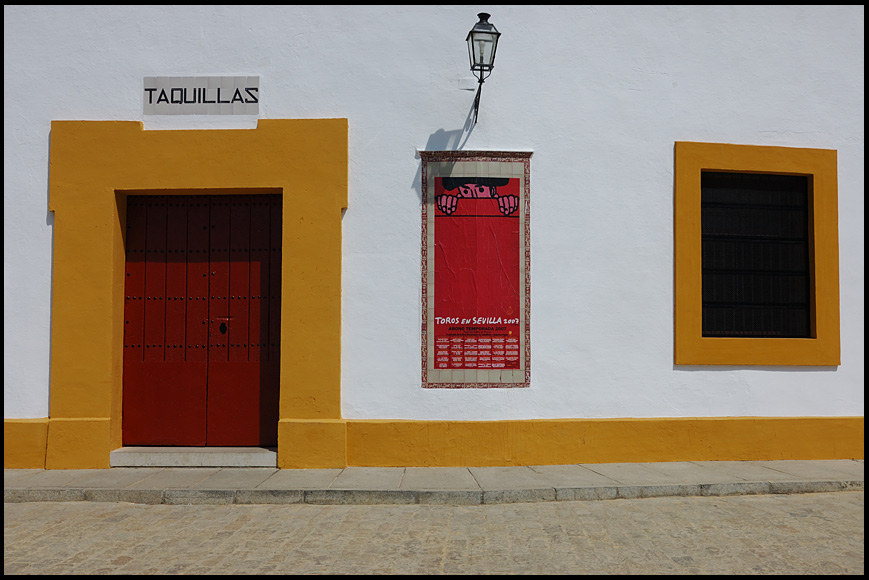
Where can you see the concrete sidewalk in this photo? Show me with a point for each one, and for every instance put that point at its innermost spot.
(429, 485)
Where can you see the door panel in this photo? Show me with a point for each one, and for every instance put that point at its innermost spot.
(163, 403)
(242, 385)
(202, 306)
(162, 391)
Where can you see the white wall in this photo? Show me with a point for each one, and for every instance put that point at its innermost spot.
(599, 94)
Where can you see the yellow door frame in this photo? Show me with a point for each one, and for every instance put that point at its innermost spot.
(94, 164)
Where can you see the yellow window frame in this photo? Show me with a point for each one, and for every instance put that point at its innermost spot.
(690, 346)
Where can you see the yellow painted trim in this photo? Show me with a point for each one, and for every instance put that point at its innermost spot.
(690, 347)
(78, 443)
(24, 443)
(307, 444)
(337, 443)
(95, 164)
(383, 443)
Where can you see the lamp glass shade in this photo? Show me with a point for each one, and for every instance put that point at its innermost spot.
(482, 44)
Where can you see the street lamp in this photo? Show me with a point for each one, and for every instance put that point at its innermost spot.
(482, 43)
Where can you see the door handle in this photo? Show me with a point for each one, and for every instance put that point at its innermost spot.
(222, 328)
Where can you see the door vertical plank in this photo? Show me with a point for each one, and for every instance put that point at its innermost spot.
(275, 268)
(197, 277)
(218, 317)
(155, 279)
(271, 364)
(176, 278)
(239, 278)
(134, 284)
(259, 271)
(218, 280)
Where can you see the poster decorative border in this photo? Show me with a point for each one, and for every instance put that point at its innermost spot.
(516, 164)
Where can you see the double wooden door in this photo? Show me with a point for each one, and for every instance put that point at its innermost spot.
(202, 320)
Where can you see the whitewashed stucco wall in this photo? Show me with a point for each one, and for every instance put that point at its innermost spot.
(599, 94)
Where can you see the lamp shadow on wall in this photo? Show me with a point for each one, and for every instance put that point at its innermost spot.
(442, 140)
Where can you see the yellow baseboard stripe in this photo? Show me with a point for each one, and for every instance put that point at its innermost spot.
(566, 441)
(312, 444)
(24, 443)
(80, 443)
(338, 443)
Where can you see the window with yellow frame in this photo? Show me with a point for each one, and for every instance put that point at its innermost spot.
(756, 255)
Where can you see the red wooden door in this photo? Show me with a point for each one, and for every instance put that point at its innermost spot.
(202, 320)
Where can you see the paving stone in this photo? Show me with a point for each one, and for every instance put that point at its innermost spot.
(301, 479)
(59, 478)
(450, 497)
(632, 473)
(11, 475)
(735, 488)
(751, 470)
(434, 486)
(144, 496)
(693, 472)
(115, 478)
(369, 478)
(811, 533)
(571, 475)
(819, 470)
(42, 494)
(439, 478)
(811, 486)
(198, 496)
(174, 478)
(504, 478)
(236, 478)
(359, 496)
(269, 496)
(586, 493)
(518, 495)
(668, 490)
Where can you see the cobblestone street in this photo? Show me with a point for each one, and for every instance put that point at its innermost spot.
(816, 533)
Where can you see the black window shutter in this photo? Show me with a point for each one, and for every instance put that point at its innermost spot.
(755, 255)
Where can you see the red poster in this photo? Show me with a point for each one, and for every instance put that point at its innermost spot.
(476, 279)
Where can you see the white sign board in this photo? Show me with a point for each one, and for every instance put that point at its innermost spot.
(201, 96)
